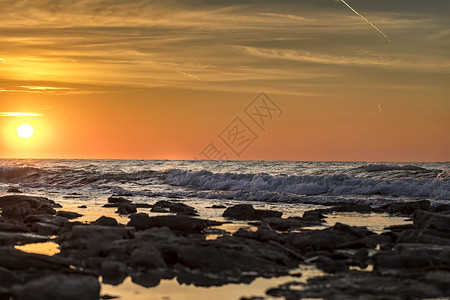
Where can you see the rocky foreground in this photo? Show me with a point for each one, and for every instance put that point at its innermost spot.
(403, 262)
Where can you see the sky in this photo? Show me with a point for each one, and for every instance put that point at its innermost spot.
(244, 80)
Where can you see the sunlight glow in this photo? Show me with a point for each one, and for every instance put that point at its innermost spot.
(25, 131)
(18, 114)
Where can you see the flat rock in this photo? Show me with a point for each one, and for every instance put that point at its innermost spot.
(438, 221)
(32, 200)
(142, 221)
(59, 286)
(68, 214)
(247, 212)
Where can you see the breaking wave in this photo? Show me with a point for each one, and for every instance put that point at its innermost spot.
(336, 185)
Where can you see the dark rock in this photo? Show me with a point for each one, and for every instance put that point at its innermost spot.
(119, 200)
(15, 259)
(45, 229)
(82, 206)
(218, 206)
(174, 207)
(15, 199)
(441, 208)
(313, 216)
(424, 236)
(17, 211)
(147, 257)
(149, 278)
(45, 209)
(330, 265)
(59, 286)
(126, 209)
(53, 220)
(14, 190)
(406, 208)
(182, 224)
(158, 209)
(113, 272)
(92, 236)
(105, 221)
(392, 260)
(438, 221)
(247, 212)
(8, 278)
(68, 214)
(9, 227)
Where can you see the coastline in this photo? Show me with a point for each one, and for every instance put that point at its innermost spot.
(224, 246)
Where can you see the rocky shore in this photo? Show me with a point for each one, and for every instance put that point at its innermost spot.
(403, 262)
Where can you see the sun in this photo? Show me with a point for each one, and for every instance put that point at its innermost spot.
(25, 131)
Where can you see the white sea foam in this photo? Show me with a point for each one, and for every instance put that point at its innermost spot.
(309, 185)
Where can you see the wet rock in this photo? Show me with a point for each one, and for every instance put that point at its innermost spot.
(10, 227)
(8, 278)
(45, 229)
(113, 272)
(59, 286)
(290, 223)
(175, 207)
(148, 278)
(17, 211)
(34, 202)
(15, 259)
(93, 236)
(438, 221)
(14, 190)
(423, 236)
(82, 206)
(158, 209)
(118, 200)
(45, 209)
(126, 209)
(147, 257)
(330, 265)
(313, 216)
(218, 206)
(48, 219)
(68, 214)
(364, 285)
(105, 221)
(406, 208)
(247, 212)
(142, 221)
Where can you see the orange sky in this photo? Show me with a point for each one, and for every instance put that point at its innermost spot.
(162, 80)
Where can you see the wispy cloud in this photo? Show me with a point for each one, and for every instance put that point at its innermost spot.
(19, 114)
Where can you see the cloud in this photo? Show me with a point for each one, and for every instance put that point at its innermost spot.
(19, 114)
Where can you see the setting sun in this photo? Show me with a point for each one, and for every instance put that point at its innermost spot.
(25, 131)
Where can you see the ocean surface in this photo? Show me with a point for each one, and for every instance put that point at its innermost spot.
(277, 182)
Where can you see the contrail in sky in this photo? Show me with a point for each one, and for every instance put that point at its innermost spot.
(367, 21)
(2, 59)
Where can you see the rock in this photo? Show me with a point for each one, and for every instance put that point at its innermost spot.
(82, 206)
(59, 286)
(9, 227)
(182, 224)
(14, 190)
(174, 207)
(15, 199)
(290, 223)
(147, 257)
(218, 206)
(438, 221)
(105, 221)
(330, 265)
(45, 229)
(406, 208)
(158, 209)
(247, 212)
(17, 211)
(15, 259)
(126, 209)
(53, 220)
(68, 214)
(45, 209)
(113, 199)
(392, 260)
(313, 216)
(113, 272)
(424, 236)
(93, 236)
(8, 278)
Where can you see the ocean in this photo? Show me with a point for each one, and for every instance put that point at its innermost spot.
(276, 182)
